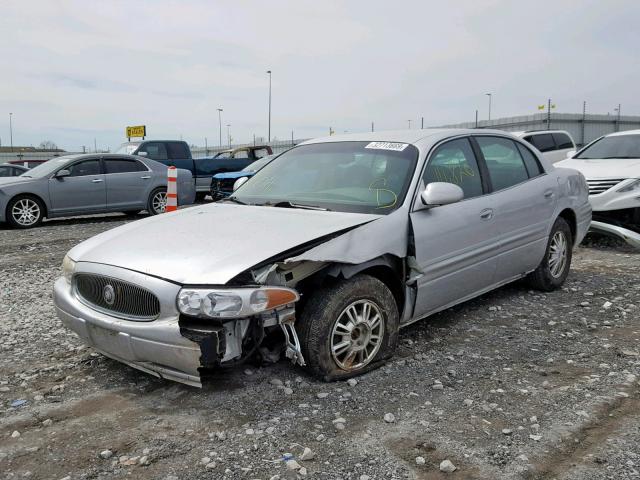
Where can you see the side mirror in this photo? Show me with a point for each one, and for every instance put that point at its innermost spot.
(63, 173)
(441, 193)
(239, 182)
(143, 154)
(571, 153)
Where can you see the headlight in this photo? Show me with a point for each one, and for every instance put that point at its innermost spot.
(68, 267)
(631, 187)
(233, 303)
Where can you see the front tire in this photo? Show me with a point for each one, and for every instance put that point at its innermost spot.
(157, 202)
(25, 211)
(554, 268)
(349, 328)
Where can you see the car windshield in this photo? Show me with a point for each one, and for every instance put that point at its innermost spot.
(614, 146)
(363, 177)
(46, 168)
(128, 148)
(258, 164)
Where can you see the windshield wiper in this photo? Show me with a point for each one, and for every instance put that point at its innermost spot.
(234, 200)
(288, 204)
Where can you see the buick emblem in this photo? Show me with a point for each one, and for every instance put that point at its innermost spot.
(109, 295)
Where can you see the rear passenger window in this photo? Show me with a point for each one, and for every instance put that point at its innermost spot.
(454, 162)
(118, 165)
(543, 142)
(505, 165)
(177, 150)
(241, 154)
(563, 140)
(530, 161)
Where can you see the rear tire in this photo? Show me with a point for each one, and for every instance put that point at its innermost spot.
(25, 211)
(157, 202)
(348, 328)
(554, 268)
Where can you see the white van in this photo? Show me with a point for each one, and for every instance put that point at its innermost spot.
(553, 144)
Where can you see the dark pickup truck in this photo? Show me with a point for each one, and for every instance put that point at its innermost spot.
(178, 154)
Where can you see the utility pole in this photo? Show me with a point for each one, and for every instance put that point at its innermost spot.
(254, 139)
(206, 147)
(95, 146)
(476, 118)
(584, 119)
(549, 114)
(422, 123)
(490, 95)
(229, 134)
(618, 121)
(220, 123)
(11, 130)
(409, 124)
(292, 144)
(372, 126)
(269, 136)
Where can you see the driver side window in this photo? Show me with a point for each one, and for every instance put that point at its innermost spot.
(87, 167)
(454, 162)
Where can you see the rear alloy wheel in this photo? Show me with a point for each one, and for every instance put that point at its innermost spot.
(554, 268)
(157, 201)
(25, 212)
(348, 328)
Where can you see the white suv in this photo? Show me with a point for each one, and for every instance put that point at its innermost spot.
(553, 144)
(611, 165)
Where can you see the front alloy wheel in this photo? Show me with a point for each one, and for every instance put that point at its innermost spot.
(25, 212)
(348, 328)
(357, 335)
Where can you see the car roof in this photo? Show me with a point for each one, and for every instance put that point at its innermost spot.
(537, 132)
(405, 136)
(626, 132)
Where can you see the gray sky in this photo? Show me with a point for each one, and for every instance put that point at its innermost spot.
(73, 71)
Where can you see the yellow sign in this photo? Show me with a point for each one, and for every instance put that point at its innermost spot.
(137, 131)
(540, 107)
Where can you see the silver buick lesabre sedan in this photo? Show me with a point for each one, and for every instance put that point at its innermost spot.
(325, 253)
(88, 184)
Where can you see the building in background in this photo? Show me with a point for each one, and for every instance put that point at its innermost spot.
(583, 128)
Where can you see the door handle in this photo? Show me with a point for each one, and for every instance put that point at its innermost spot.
(486, 214)
(96, 180)
(548, 194)
(146, 177)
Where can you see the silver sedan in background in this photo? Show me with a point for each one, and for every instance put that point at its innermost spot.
(89, 184)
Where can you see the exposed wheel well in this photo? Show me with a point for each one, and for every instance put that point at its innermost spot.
(391, 279)
(570, 216)
(31, 195)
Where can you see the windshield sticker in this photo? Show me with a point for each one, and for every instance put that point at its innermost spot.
(396, 147)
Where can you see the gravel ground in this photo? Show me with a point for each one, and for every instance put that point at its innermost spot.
(515, 384)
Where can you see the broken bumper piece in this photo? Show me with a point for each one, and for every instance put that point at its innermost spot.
(629, 236)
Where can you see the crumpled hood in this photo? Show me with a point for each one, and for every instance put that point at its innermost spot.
(608, 168)
(210, 245)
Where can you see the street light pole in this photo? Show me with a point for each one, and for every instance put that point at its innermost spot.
(409, 124)
(489, 95)
(220, 123)
(229, 134)
(269, 136)
(11, 130)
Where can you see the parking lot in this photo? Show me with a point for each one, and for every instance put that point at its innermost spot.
(515, 384)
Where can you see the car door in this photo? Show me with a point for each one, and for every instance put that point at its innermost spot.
(524, 202)
(6, 171)
(82, 191)
(128, 183)
(455, 244)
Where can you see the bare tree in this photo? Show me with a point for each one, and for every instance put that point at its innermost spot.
(47, 145)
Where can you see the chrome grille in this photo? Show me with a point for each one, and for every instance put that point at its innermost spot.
(115, 297)
(602, 185)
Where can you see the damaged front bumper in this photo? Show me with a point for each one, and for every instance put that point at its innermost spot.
(623, 224)
(171, 346)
